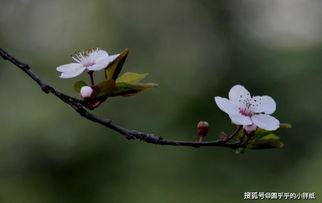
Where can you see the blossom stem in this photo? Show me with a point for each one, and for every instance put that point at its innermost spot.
(245, 143)
(241, 139)
(200, 138)
(234, 133)
(91, 76)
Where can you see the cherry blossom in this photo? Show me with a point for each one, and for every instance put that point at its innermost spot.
(90, 60)
(249, 111)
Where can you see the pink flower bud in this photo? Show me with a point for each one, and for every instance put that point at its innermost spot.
(86, 92)
(250, 129)
(202, 128)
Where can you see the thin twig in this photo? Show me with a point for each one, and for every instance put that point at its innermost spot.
(249, 137)
(234, 133)
(80, 107)
(91, 77)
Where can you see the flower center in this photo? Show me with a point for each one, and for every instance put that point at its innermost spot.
(246, 112)
(86, 57)
(87, 64)
(246, 106)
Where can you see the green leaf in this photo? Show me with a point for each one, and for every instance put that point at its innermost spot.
(285, 125)
(103, 89)
(78, 85)
(263, 135)
(131, 77)
(129, 89)
(270, 137)
(266, 144)
(113, 69)
(260, 133)
(282, 126)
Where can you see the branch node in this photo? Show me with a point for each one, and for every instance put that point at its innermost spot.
(45, 88)
(25, 66)
(130, 137)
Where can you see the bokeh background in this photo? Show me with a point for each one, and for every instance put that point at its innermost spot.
(194, 50)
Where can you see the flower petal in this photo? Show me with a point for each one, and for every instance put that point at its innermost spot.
(99, 53)
(73, 73)
(102, 62)
(240, 119)
(263, 104)
(239, 95)
(226, 106)
(68, 67)
(113, 57)
(266, 122)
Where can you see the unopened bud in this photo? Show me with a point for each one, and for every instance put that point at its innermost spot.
(250, 129)
(202, 128)
(86, 92)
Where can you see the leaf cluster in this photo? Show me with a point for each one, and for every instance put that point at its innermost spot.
(127, 84)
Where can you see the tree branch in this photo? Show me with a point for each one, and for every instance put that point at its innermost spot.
(80, 107)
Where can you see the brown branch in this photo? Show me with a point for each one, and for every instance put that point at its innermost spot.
(234, 133)
(80, 107)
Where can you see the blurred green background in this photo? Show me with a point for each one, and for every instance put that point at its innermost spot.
(194, 50)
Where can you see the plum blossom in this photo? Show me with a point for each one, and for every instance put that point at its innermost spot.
(90, 60)
(251, 112)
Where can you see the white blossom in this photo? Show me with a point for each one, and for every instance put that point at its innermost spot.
(90, 60)
(249, 111)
